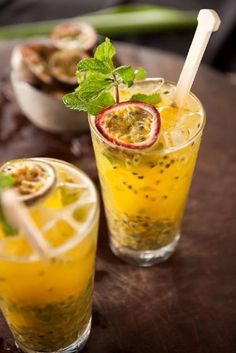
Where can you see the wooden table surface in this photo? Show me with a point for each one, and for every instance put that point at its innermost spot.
(186, 305)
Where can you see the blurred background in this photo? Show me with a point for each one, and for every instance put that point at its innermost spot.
(221, 53)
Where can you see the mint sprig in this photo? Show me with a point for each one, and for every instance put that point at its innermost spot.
(97, 77)
(150, 99)
(5, 182)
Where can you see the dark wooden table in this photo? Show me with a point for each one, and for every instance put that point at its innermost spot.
(186, 305)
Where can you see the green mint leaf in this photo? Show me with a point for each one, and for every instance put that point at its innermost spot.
(5, 182)
(112, 159)
(69, 195)
(95, 75)
(93, 64)
(72, 101)
(140, 73)
(92, 87)
(126, 74)
(104, 100)
(105, 52)
(81, 76)
(150, 99)
(92, 106)
(8, 229)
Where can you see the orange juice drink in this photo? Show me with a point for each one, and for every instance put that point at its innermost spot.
(145, 190)
(47, 303)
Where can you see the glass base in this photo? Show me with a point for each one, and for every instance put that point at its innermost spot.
(72, 348)
(145, 258)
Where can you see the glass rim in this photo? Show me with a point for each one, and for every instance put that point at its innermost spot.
(150, 150)
(77, 238)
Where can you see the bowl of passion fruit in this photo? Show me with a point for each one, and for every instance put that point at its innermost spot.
(46, 109)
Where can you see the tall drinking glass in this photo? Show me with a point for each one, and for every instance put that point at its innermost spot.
(47, 303)
(145, 191)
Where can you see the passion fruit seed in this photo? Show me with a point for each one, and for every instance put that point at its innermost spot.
(74, 36)
(34, 179)
(139, 232)
(133, 125)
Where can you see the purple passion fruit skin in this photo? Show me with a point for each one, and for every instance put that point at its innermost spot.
(133, 125)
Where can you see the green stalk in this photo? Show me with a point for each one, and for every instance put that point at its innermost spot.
(130, 8)
(115, 21)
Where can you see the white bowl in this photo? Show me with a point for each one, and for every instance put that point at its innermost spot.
(46, 111)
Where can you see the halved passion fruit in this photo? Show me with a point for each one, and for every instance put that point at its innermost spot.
(74, 36)
(33, 179)
(35, 57)
(62, 64)
(130, 124)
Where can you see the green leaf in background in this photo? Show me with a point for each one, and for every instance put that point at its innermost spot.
(114, 21)
(150, 99)
(128, 8)
(5, 182)
(94, 64)
(140, 73)
(126, 74)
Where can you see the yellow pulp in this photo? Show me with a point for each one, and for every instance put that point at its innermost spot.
(47, 304)
(145, 191)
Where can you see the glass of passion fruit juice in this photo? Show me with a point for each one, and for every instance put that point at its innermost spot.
(145, 190)
(47, 303)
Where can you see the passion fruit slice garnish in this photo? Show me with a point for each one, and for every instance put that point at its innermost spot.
(63, 63)
(74, 36)
(130, 124)
(36, 56)
(33, 179)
